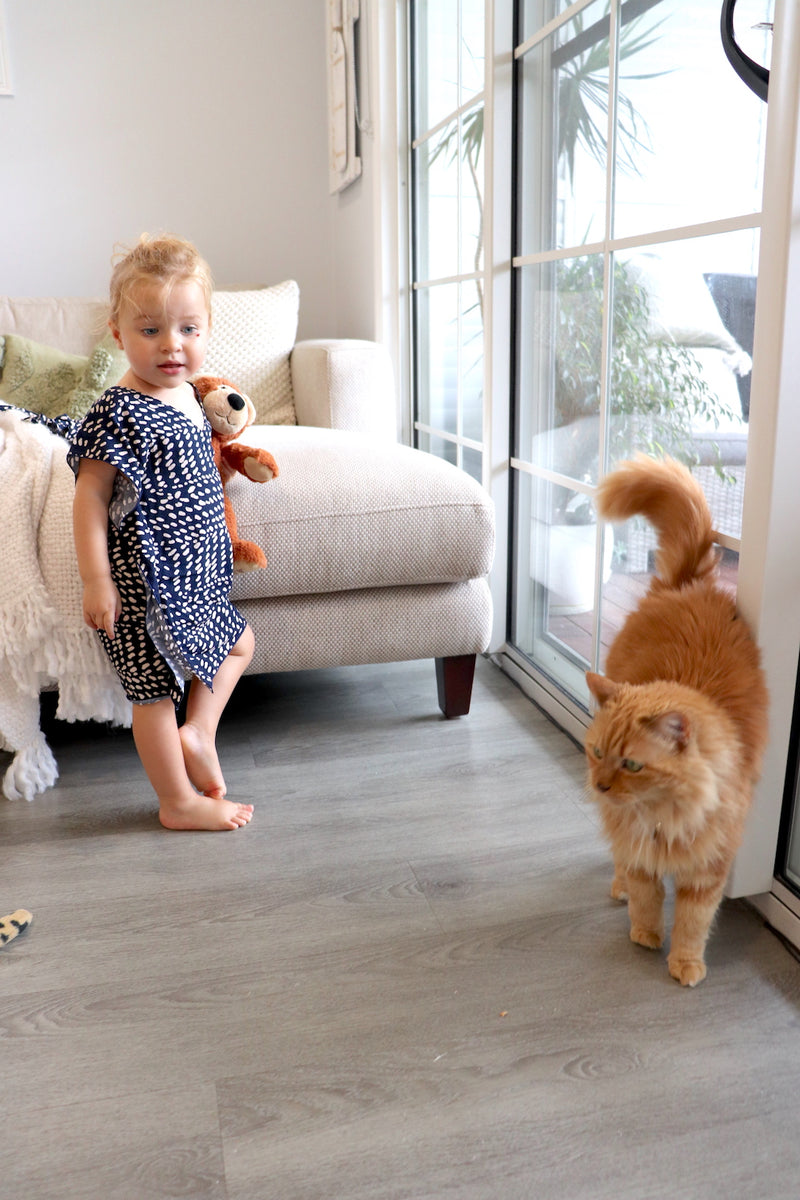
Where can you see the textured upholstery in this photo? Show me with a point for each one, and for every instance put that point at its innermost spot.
(347, 512)
(332, 379)
(252, 335)
(391, 624)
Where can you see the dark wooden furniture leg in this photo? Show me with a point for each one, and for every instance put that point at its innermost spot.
(454, 683)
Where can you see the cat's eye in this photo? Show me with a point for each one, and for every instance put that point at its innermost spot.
(630, 764)
(598, 753)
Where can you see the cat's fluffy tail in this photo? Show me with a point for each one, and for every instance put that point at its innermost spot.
(673, 501)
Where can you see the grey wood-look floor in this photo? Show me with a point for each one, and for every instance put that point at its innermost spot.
(404, 980)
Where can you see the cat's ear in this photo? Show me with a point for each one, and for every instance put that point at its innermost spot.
(673, 728)
(602, 689)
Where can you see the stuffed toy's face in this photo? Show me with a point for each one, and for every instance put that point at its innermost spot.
(228, 410)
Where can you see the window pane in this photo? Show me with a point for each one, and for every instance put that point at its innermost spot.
(448, 216)
(472, 463)
(683, 119)
(441, 447)
(560, 363)
(449, 51)
(564, 135)
(437, 356)
(471, 191)
(437, 205)
(554, 583)
(471, 362)
(436, 53)
(536, 13)
(680, 361)
(473, 53)
(449, 178)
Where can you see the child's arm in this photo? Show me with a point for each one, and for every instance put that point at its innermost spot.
(93, 488)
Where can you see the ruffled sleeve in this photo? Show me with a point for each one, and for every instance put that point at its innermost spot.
(110, 432)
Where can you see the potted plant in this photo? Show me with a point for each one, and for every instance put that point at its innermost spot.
(657, 394)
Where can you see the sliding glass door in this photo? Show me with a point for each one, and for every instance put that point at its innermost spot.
(635, 187)
(638, 198)
(587, 231)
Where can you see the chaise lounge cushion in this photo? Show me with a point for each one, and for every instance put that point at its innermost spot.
(349, 512)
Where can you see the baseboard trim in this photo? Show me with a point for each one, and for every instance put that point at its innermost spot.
(780, 908)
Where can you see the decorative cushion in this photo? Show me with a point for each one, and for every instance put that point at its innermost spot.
(49, 381)
(252, 336)
(71, 323)
(682, 309)
(106, 366)
(348, 512)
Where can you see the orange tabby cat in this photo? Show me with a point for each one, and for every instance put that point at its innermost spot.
(675, 746)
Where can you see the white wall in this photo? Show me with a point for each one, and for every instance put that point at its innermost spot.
(208, 119)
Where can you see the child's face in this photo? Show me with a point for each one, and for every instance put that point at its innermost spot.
(164, 334)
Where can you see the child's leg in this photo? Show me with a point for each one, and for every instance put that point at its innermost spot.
(203, 711)
(155, 732)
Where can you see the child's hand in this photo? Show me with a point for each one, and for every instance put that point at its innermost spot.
(101, 605)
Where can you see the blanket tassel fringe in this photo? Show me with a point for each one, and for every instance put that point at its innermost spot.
(32, 771)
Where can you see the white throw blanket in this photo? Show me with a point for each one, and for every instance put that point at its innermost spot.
(43, 639)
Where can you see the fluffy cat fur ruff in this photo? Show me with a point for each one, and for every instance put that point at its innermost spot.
(675, 746)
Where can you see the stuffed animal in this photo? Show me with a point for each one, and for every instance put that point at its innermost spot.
(11, 927)
(229, 412)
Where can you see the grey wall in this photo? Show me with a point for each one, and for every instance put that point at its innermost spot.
(208, 119)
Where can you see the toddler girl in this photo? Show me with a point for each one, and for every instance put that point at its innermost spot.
(153, 549)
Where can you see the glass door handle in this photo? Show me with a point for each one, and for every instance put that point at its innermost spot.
(754, 75)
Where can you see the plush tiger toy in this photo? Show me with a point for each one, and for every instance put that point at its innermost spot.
(11, 927)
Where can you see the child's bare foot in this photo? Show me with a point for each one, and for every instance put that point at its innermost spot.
(202, 764)
(204, 812)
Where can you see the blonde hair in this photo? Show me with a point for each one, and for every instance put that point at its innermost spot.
(164, 259)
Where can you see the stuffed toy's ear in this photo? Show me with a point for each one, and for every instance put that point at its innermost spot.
(208, 383)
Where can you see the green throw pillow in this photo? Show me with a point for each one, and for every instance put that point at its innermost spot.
(106, 365)
(52, 382)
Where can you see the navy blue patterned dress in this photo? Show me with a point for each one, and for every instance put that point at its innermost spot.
(168, 543)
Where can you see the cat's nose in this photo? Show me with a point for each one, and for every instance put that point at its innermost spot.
(603, 787)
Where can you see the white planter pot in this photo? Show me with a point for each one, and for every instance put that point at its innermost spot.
(563, 559)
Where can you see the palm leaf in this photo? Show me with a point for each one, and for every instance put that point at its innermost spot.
(583, 100)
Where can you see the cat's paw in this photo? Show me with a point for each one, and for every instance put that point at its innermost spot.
(619, 888)
(651, 938)
(688, 971)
